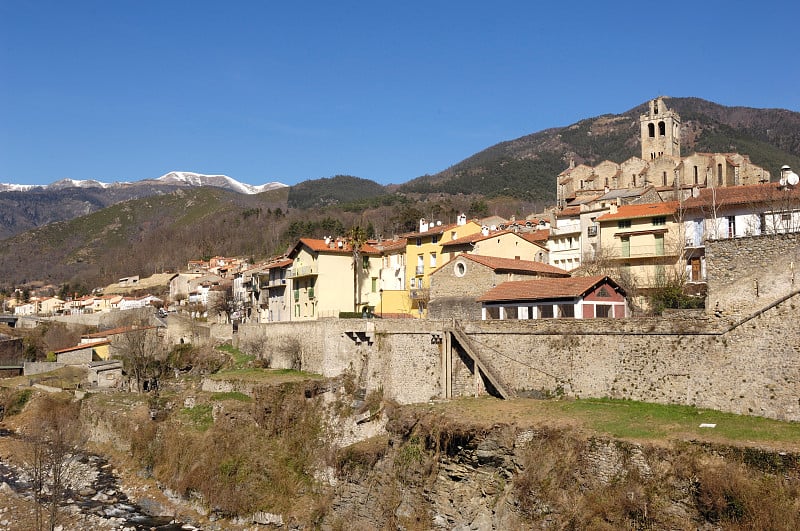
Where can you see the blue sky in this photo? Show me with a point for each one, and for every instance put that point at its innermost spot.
(287, 91)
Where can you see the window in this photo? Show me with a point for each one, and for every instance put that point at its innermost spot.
(591, 231)
(696, 177)
(719, 174)
(651, 130)
(663, 178)
(492, 312)
(435, 238)
(602, 310)
(660, 220)
(624, 224)
(419, 242)
(412, 283)
(731, 226)
(546, 311)
(433, 259)
(460, 269)
(659, 244)
(662, 129)
(626, 246)
(566, 310)
(374, 284)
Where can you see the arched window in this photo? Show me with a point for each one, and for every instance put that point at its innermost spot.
(651, 130)
(662, 129)
(719, 174)
(696, 178)
(663, 178)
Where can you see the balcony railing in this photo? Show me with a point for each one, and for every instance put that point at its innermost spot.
(420, 270)
(302, 271)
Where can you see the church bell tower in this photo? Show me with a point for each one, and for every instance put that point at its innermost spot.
(660, 130)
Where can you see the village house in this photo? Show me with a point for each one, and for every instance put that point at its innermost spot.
(324, 283)
(734, 212)
(548, 298)
(393, 300)
(644, 241)
(424, 253)
(505, 243)
(456, 285)
(274, 300)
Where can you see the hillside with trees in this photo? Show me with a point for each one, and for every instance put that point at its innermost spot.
(515, 178)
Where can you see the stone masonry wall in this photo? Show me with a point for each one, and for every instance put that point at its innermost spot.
(751, 369)
(746, 274)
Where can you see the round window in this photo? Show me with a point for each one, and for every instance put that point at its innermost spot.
(460, 268)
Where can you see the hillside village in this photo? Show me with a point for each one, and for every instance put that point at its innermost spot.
(642, 223)
(664, 279)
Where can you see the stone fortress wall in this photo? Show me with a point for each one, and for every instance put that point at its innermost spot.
(741, 356)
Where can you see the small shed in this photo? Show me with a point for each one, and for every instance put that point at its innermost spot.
(548, 298)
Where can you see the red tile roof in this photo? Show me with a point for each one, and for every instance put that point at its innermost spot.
(391, 245)
(83, 346)
(641, 211)
(512, 264)
(743, 195)
(544, 289)
(319, 246)
(537, 236)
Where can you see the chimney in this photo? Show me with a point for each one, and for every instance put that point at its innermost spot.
(423, 225)
(485, 230)
(462, 219)
(613, 207)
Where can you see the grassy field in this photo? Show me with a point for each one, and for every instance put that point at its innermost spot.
(627, 419)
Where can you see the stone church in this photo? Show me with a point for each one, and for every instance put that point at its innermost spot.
(661, 165)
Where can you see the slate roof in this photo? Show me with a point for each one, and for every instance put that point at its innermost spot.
(545, 289)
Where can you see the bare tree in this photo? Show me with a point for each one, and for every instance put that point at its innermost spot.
(143, 353)
(52, 440)
(356, 238)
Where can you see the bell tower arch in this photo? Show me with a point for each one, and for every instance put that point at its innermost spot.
(660, 131)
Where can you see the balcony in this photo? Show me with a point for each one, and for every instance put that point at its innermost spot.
(420, 270)
(302, 271)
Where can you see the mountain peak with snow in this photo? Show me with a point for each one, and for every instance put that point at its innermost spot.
(175, 178)
(221, 181)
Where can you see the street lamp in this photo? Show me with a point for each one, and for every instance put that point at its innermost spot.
(380, 307)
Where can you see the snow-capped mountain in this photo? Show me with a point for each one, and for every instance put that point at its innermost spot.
(173, 178)
(220, 181)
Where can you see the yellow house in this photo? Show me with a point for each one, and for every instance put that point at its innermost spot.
(323, 281)
(425, 253)
(51, 306)
(644, 241)
(500, 244)
(393, 298)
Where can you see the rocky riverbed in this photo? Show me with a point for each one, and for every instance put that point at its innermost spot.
(92, 500)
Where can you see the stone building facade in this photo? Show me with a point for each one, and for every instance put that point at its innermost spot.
(661, 164)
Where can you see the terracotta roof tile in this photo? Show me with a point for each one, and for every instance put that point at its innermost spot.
(512, 264)
(543, 289)
(641, 211)
(743, 195)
